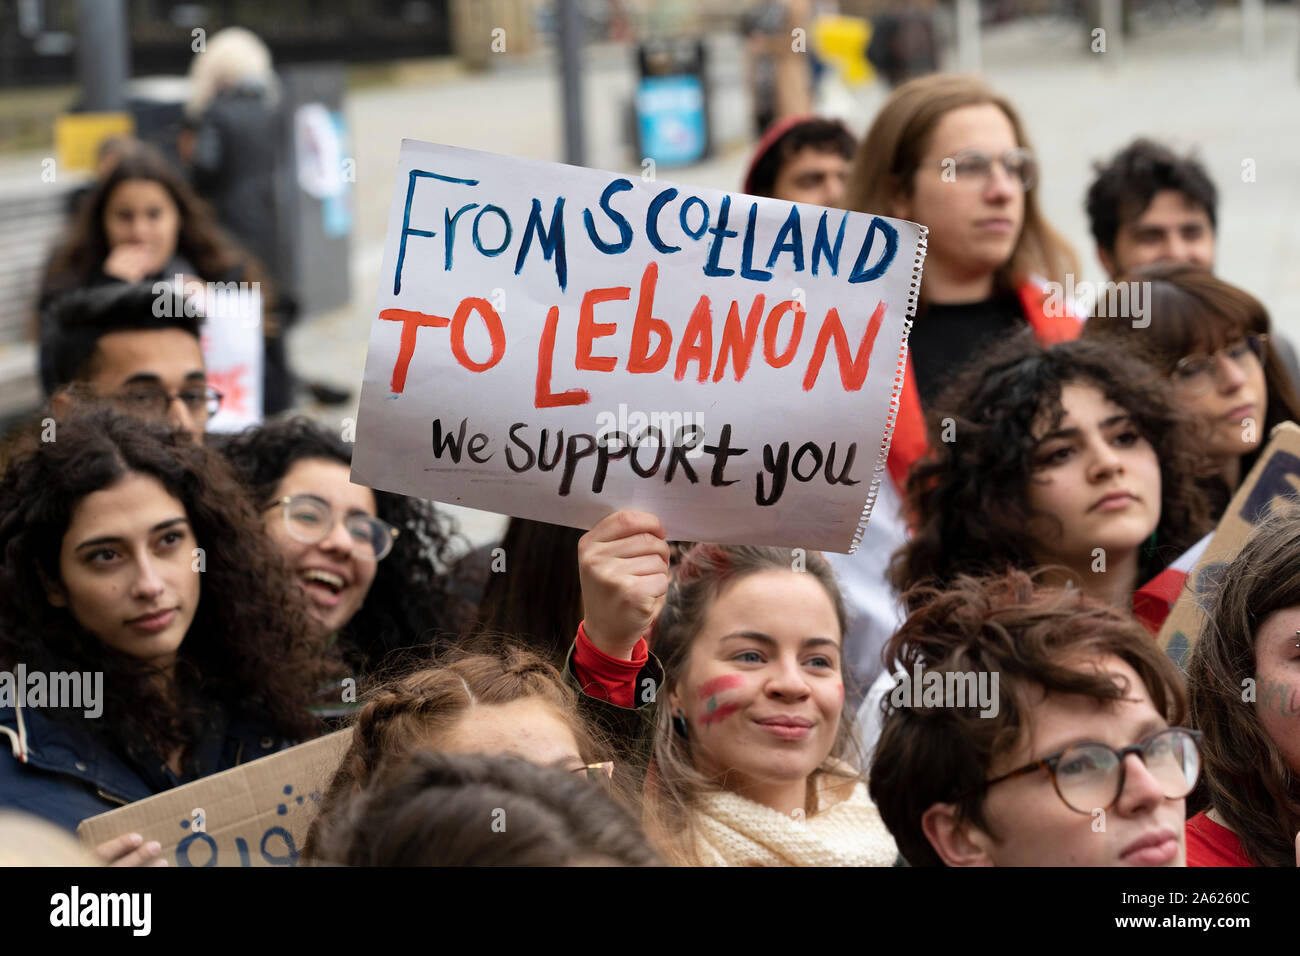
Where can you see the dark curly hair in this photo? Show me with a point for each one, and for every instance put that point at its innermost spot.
(969, 499)
(411, 601)
(247, 649)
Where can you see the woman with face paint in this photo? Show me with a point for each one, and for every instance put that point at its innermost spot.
(752, 759)
(1244, 679)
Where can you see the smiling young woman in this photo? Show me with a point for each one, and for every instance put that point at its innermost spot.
(753, 758)
(371, 564)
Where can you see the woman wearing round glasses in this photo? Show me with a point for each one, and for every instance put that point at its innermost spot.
(369, 562)
(948, 152)
(1076, 757)
(1211, 339)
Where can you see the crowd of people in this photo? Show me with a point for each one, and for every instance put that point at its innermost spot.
(630, 700)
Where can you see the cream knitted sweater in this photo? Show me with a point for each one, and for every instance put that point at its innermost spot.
(734, 831)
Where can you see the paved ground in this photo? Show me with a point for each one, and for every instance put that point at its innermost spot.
(1190, 85)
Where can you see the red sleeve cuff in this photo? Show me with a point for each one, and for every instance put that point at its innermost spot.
(605, 677)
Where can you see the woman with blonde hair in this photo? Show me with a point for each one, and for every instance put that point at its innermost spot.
(754, 751)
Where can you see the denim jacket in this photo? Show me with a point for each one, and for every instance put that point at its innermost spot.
(59, 771)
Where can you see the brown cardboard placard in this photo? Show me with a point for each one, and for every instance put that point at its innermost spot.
(1275, 477)
(253, 815)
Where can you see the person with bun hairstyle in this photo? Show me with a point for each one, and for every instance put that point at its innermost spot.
(438, 809)
(506, 702)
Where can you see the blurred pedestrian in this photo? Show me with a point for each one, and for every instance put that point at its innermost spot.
(143, 223)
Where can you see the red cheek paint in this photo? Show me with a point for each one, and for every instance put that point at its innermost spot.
(719, 713)
(719, 684)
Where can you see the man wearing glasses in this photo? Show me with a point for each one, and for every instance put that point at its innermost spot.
(107, 343)
(1150, 205)
(1084, 763)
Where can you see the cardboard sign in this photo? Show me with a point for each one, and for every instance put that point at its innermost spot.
(253, 815)
(558, 343)
(1274, 479)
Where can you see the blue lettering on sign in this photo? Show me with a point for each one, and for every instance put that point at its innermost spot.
(183, 850)
(624, 227)
(406, 219)
(552, 242)
(288, 859)
(1272, 484)
(652, 221)
(890, 235)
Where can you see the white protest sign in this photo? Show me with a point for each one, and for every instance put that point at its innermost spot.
(557, 343)
(233, 351)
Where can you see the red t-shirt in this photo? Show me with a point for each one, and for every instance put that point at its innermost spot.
(1211, 844)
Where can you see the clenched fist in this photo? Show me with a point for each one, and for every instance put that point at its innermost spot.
(623, 567)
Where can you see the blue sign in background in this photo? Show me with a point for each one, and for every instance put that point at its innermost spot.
(670, 116)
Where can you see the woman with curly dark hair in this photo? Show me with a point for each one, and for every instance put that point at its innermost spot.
(111, 537)
(1070, 456)
(371, 563)
(1244, 681)
(143, 222)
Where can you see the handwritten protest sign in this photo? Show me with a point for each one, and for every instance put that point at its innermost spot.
(1273, 484)
(254, 815)
(557, 343)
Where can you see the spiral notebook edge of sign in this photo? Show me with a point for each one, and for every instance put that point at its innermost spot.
(895, 395)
